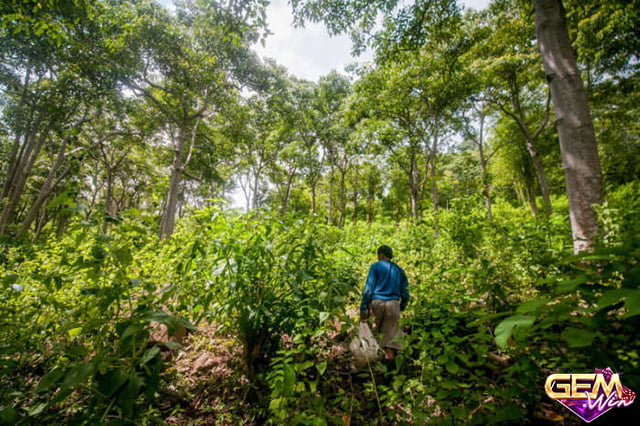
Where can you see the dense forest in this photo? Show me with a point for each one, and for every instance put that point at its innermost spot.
(496, 151)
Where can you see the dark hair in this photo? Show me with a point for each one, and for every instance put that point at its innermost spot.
(385, 250)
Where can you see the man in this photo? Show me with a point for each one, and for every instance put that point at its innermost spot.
(385, 295)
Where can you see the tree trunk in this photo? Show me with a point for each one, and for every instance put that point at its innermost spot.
(330, 204)
(432, 165)
(15, 186)
(355, 197)
(530, 193)
(542, 175)
(169, 214)
(529, 142)
(583, 174)
(287, 191)
(483, 168)
(108, 200)
(414, 186)
(45, 189)
(343, 198)
(314, 184)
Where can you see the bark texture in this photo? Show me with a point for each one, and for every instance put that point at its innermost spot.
(583, 174)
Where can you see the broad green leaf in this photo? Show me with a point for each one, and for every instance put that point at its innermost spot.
(321, 367)
(632, 303)
(149, 355)
(78, 375)
(577, 338)
(275, 404)
(174, 346)
(570, 285)
(288, 380)
(8, 416)
(36, 409)
(50, 379)
(73, 333)
(110, 382)
(531, 305)
(610, 297)
(505, 329)
(452, 367)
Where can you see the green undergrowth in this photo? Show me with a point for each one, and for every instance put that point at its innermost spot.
(269, 306)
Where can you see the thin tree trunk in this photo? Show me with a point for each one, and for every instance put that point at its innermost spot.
(287, 191)
(169, 214)
(330, 204)
(355, 197)
(414, 187)
(541, 174)
(483, 169)
(314, 183)
(108, 200)
(531, 195)
(16, 185)
(521, 120)
(432, 165)
(45, 189)
(256, 186)
(12, 164)
(343, 198)
(583, 174)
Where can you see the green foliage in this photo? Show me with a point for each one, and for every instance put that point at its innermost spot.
(79, 316)
(269, 277)
(85, 286)
(495, 307)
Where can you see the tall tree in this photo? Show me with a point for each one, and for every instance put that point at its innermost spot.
(52, 76)
(416, 22)
(583, 174)
(331, 94)
(509, 63)
(188, 65)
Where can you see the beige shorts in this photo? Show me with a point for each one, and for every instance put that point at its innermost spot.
(387, 315)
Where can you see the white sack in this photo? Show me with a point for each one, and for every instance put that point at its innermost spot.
(365, 347)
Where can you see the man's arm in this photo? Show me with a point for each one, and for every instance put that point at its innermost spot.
(367, 294)
(404, 288)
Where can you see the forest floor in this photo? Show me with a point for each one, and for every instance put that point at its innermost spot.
(207, 384)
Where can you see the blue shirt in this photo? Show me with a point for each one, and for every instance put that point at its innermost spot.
(386, 281)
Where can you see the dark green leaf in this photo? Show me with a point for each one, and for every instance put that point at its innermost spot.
(505, 329)
(531, 305)
(610, 297)
(78, 375)
(288, 380)
(632, 303)
(50, 379)
(10, 279)
(8, 416)
(123, 256)
(570, 285)
(149, 355)
(577, 338)
(110, 382)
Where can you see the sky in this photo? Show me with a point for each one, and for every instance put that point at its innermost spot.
(309, 52)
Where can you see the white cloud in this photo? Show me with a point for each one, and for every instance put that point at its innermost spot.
(306, 52)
